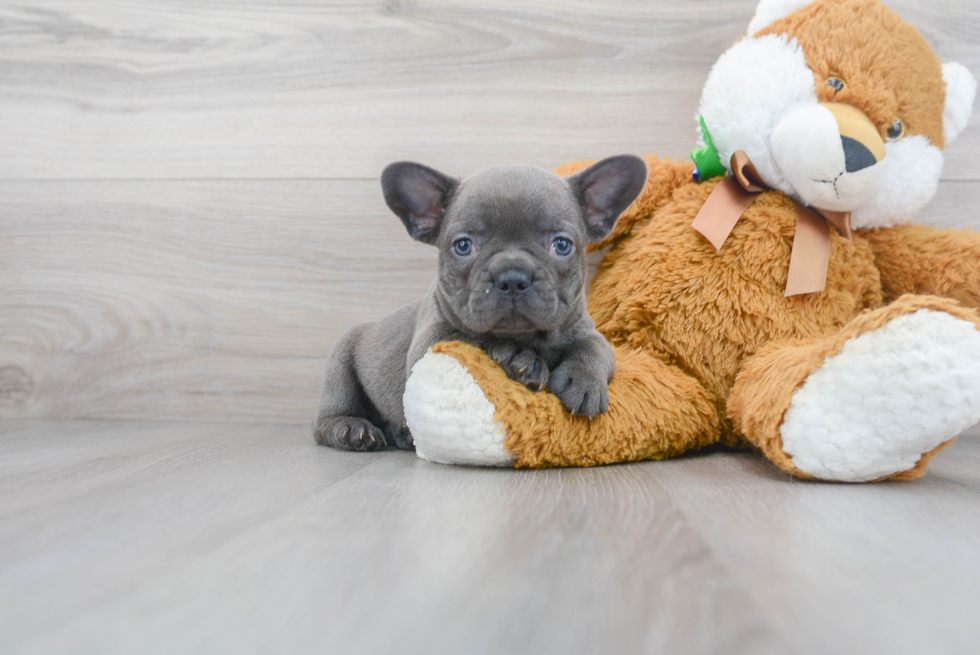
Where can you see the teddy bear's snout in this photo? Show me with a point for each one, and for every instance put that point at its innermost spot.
(859, 137)
(857, 157)
(829, 154)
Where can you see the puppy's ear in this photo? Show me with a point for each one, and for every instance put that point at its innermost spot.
(605, 189)
(419, 196)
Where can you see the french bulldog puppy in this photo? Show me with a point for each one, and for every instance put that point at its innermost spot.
(511, 280)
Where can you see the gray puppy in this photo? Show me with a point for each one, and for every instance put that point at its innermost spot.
(511, 281)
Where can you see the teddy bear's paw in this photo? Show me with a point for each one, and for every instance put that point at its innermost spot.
(450, 418)
(886, 399)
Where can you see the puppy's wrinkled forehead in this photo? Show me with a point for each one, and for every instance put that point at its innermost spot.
(514, 199)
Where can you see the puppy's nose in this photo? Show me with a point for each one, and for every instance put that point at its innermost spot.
(512, 283)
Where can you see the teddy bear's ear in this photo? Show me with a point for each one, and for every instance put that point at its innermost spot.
(769, 11)
(961, 89)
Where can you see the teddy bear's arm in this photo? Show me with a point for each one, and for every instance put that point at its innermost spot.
(663, 176)
(463, 409)
(922, 259)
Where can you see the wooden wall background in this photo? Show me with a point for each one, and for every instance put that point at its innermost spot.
(189, 206)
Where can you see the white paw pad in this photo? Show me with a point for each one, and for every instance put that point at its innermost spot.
(451, 420)
(886, 398)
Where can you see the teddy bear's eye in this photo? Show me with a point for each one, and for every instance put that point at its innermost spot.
(835, 83)
(896, 131)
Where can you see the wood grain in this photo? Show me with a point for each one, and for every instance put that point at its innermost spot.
(190, 299)
(222, 89)
(190, 537)
(212, 299)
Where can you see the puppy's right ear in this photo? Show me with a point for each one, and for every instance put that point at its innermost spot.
(605, 189)
(419, 196)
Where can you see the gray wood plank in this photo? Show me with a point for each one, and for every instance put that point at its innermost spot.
(276, 545)
(176, 537)
(954, 206)
(874, 549)
(161, 299)
(296, 89)
(216, 300)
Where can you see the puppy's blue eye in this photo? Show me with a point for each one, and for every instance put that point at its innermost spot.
(463, 247)
(561, 247)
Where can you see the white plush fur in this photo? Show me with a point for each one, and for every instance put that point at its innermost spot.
(768, 12)
(451, 420)
(807, 147)
(751, 88)
(888, 397)
(908, 179)
(961, 90)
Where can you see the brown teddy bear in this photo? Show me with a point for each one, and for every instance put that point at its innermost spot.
(787, 305)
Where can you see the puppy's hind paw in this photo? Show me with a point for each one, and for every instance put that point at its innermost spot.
(580, 390)
(349, 433)
(401, 437)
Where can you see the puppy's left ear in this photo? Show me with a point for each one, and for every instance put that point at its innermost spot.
(605, 189)
(418, 195)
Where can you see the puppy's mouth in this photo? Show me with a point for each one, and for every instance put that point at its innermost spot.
(494, 314)
(515, 323)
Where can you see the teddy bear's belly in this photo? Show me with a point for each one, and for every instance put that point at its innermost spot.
(666, 290)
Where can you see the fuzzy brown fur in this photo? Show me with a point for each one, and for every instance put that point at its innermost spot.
(667, 291)
(654, 412)
(946, 262)
(709, 349)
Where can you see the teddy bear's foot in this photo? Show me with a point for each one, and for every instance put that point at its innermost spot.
(879, 399)
(886, 399)
(463, 409)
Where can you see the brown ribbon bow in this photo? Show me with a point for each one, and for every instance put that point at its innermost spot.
(810, 257)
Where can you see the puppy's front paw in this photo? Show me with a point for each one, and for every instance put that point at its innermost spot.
(581, 390)
(524, 366)
(350, 433)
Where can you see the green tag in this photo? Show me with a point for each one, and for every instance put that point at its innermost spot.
(706, 158)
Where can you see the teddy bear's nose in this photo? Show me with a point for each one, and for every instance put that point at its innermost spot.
(856, 155)
(863, 147)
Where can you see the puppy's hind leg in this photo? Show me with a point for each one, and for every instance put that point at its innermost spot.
(341, 418)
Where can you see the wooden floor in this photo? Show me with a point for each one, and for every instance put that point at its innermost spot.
(165, 537)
